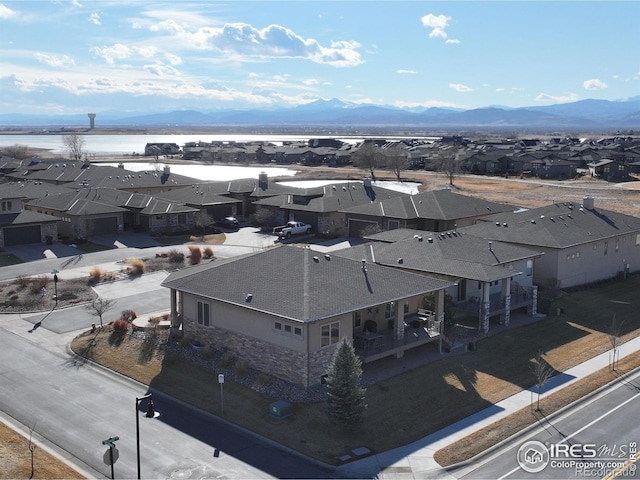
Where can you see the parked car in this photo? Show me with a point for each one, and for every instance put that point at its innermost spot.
(291, 228)
(229, 222)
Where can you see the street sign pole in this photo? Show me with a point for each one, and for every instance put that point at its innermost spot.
(221, 382)
(110, 442)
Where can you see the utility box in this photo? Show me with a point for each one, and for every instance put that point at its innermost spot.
(280, 409)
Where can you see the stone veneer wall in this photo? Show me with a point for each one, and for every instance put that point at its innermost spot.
(263, 356)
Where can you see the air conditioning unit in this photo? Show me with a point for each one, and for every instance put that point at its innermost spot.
(280, 409)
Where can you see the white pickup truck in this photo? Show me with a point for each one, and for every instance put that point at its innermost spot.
(291, 228)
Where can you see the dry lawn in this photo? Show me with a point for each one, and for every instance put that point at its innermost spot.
(15, 459)
(437, 394)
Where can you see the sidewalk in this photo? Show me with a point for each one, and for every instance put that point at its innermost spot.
(415, 460)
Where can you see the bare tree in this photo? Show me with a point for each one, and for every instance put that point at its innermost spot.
(99, 306)
(367, 157)
(32, 448)
(74, 145)
(16, 151)
(614, 332)
(397, 158)
(542, 372)
(448, 161)
(202, 219)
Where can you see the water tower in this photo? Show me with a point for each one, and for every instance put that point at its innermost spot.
(92, 120)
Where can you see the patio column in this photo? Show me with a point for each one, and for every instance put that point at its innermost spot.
(439, 313)
(398, 325)
(506, 294)
(486, 307)
(532, 309)
(175, 315)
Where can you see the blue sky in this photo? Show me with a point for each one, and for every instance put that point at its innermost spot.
(75, 56)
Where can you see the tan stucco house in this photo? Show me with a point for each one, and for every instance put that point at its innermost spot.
(285, 309)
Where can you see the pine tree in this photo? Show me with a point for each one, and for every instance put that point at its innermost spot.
(345, 393)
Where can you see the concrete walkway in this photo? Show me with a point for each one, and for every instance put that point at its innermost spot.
(415, 460)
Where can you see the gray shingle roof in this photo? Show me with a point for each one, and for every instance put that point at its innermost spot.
(437, 205)
(26, 217)
(300, 284)
(560, 225)
(451, 254)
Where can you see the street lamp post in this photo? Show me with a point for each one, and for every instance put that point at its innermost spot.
(151, 413)
(55, 272)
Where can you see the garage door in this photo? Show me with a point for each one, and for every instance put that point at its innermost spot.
(22, 235)
(103, 226)
(357, 227)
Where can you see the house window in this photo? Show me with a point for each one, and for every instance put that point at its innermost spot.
(406, 308)
(638, 240)
(203, 314)
(394, 224)
(330, 334)
(390, 310)
(6, 206)
(159, 217)
(529, 268)
(182, 218)
(617, 245)
(357, 319)
(606, 247)
(286, 329)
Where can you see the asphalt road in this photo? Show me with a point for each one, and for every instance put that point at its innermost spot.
(603, 429)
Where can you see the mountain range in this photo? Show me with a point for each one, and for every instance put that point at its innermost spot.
(336, 115)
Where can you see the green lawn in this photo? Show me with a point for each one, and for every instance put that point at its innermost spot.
(416, 403)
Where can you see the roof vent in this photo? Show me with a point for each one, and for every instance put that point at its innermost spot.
(249, 297)
(490, 247)
(497, 224)
(327, 256)
(400, 261)
(364, 265)
(430, 240)
(587, 202)
(316, 259)
(504, 224)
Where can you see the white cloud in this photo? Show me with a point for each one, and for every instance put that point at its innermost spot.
(161, 70)
(57, 61)
(117, 51)
(311, 81)
(437, 24)
(543, 97)
(453, 41)
(459, 87)
(406, 72)
(173, 59)
(95, 19)
(146, 52)
(6, 12)
(243, 40)
(501, 89)
(594, 84)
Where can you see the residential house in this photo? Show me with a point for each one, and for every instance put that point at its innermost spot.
(156, 149)
(581, 243)
(435, 211)
(609, 170)
(284, 310)
(322, 207)
(490, 279)
(99, 211)
(20, 227)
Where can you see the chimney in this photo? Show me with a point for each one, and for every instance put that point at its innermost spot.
(367, 182)
(587, 202)
(167, 170)
(263, 180)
